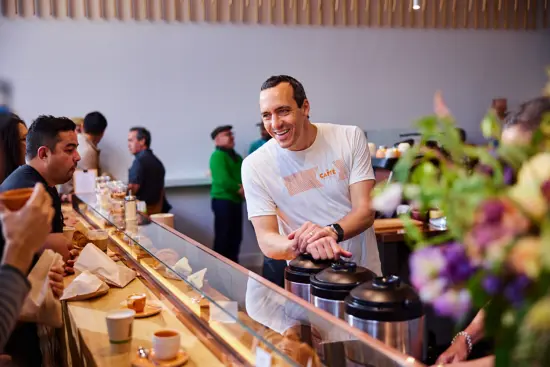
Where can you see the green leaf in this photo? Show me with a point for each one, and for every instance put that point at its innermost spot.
(514, 155)
(412, 231)
(475, 286)
(545, 239)
(402, 168)
(490, 125)
(428, 127)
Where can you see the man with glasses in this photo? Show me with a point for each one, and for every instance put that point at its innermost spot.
(227, 193)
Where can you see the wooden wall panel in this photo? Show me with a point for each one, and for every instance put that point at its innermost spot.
(518, 15)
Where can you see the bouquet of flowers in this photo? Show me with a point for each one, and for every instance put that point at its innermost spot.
(495, 253)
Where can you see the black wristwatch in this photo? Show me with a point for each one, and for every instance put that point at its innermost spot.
(339, 231)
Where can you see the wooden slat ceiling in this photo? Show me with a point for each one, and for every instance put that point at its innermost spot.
(518, 15)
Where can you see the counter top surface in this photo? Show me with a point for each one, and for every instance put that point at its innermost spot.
(88, 318)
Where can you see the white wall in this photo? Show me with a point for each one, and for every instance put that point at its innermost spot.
(182, 80)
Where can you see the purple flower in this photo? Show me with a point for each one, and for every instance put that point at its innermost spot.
(509, 175)
(493, 210)
(515, 290)
(459, 267)
(545, 188)
(491, 284)
(453, 303)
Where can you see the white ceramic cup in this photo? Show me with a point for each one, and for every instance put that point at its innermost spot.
(119, 327)
(68, 232)
(165, 218)
(166, 344)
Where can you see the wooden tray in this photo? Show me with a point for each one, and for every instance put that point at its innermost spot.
(392, 223)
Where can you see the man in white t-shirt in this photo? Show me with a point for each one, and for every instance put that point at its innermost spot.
(308, 189)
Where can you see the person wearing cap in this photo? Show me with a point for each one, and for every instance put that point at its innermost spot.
(263, 139)
(227, 193)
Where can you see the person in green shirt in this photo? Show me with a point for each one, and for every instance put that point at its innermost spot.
(264, 138)
(227, 193)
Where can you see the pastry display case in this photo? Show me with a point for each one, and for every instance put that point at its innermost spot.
(239, 316)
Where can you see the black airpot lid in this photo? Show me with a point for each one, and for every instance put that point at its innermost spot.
(384, 299)
(337, 281)
(300, 269)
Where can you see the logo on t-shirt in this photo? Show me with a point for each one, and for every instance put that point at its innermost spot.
(309, 179)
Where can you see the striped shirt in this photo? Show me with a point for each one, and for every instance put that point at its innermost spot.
(14, 288)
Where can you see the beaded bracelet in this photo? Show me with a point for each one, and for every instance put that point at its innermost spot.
(468, 340)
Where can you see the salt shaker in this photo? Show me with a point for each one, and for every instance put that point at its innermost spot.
(130, 206)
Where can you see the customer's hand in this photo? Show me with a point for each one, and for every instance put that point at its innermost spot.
(25, 230)
(241, 191)
(69, 265)
(457, 352)
(56, 280)
(326, 248)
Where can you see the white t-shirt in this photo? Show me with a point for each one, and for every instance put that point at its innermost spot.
(312, 184)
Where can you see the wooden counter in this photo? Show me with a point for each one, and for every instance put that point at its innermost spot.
(87, 330)
(398, 235)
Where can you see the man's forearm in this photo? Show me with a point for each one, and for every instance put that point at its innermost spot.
(356, 222)
(276, 246)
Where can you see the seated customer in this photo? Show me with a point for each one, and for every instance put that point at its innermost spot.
(146, 175)
(51, 159)
(20, 246)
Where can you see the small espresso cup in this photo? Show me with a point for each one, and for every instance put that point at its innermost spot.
(166, 344)
(136, 302)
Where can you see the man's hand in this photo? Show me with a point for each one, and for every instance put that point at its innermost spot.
(241, 191)
(326, 248)
(56, 280)
(69, 265)
(309, 233)
(26, 229)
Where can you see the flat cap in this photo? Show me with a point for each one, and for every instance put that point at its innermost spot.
(220, 129)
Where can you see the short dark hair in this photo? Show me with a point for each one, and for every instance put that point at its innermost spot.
(10, 143)
(44, 131)
(299, 92)
(95, 123)
(142, 134)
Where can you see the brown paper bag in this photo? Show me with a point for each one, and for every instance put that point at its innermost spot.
(41, 306)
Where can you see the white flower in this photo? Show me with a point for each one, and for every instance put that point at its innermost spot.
(389, 199)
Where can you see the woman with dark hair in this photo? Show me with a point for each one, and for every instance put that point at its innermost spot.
(13, 135)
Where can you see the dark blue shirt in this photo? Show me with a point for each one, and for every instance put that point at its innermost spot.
(148, 172)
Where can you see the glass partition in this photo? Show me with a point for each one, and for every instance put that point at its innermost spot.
(255, 317)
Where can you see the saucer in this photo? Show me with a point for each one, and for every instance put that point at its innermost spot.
(148, 311)
(180, 359)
